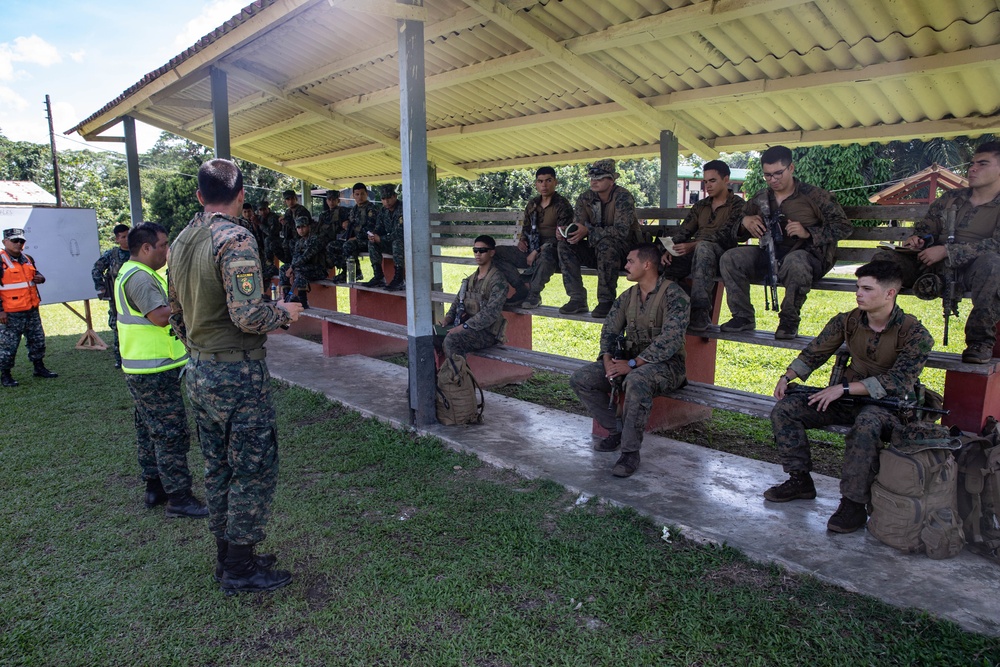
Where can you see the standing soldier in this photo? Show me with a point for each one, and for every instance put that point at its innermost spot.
(388, 237)
(19, 303)
(306, 264)
(105, 271)
(217, 310)
(606, 227)
(151, 359)
(271, 229)
(293, 211)
(709, 230)
(652, 315)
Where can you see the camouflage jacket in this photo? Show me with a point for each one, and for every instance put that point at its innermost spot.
(363, 219)
(589, 211)
(308, 251)
(534, 214)
(330, 224)
(910, 345)
(977, 231)
(673, 322)
(491, 294)
(107, 267)
(819, 213)
(215, 292)
(721, 225)
(389, 225)
(258, 234)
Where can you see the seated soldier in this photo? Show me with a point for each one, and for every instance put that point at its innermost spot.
(536, 247)
(475, 318)
(287, 234)
(973, 255)
(709, 230)
(605, 228)
(653, 316)
(307, 262)
(811, 223)
(362, 220)
(332, 222)
(888, 351)
(388, 237)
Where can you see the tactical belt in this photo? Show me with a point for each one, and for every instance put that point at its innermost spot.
(245, 355)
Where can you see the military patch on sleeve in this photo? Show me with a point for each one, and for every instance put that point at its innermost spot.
(246, 285)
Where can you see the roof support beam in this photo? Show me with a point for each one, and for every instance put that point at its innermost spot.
(243, 104)
(389, 8)
(299, 120)
(609, 85)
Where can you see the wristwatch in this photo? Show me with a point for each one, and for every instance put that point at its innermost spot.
(631, 363)
(465, 325)
(847, 388)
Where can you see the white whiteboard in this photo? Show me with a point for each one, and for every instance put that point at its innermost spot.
(64, 244)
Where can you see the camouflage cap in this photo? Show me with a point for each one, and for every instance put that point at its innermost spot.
(387, 191)
(288, 194)
(928, 286)
(332, 194)
(302, 221)
(14, 234)
(602, 169)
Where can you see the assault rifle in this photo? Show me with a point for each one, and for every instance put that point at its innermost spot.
(769, 242)
(534, 238)
(460, 314)
(620, 352)
(949, 302)
(901, 406)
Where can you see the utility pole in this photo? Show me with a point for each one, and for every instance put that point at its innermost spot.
(55, 159)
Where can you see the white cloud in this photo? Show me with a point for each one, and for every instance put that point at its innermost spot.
(33, 50)
(11, 100)
(211, 17)
(77, 56)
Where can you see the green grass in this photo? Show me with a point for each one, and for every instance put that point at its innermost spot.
(404, 553)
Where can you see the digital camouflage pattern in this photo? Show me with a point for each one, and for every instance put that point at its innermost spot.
(161, 428)
(105, 271)
(234, 409)
(663, 372)
(486, 314)
(329, 227)
(29, 324)
(363, 219)
(307, 263)
(260, 236)
(389, 227)
(904, 357)
(605, 247)
(975, 255)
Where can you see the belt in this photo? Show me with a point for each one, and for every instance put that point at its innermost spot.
(232, 356)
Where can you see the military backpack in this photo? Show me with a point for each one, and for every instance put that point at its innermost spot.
(979, 490)
(457, 402)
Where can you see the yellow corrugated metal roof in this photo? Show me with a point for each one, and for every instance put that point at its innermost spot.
(314, 88)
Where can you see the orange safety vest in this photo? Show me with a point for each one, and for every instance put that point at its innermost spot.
(17, 287)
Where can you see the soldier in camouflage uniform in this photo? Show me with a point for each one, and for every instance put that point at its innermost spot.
(104, 273)
(975, 254)
(606, 228)
(476, 318)
(218, 311)
(332, 223)
(152, 362)
(653, 316)
(888, 351)
(710, 229)
(19, 301)
(306, 264)
(287, 235)
(813, 223)
(536, 248)
(270, 226)
(388, 237)
(363, 219)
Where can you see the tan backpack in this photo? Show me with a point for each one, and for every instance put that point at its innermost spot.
(979, 490)
(456, 393)
(914, 497)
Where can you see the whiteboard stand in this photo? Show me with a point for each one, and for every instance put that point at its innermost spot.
(89, 340)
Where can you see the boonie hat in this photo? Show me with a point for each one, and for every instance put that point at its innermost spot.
(602, 169)
(14, 234)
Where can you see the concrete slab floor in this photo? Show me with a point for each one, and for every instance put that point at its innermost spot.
(710, 496)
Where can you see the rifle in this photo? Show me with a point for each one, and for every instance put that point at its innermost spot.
(460, 314)
(949, 303)
(901, 406)
(620, 352)
(534, 238)
(769, 242)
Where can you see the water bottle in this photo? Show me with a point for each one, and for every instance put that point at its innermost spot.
(352, 270)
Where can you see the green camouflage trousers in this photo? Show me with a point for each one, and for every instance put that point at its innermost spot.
(28, 323)
(509, 259)
(870, 427)
(608, 258)
(703, 267)
(641, 385)
(161, 430)
(375, 251)
(234, 410)
(113, 325)
(467, 340)
(981, 277)
(748, 264)
(302, 277)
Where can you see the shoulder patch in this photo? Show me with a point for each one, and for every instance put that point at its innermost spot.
(246, 283)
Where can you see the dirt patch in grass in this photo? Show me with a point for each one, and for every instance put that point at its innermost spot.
(334, 413)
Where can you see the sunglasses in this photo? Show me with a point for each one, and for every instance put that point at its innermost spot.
(480, 250)
(21, 241)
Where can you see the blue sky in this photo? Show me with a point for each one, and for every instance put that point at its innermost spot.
(84, 53)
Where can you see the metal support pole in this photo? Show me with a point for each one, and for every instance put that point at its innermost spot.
(416, 223)
(437, 276)
(220, 114)
(668, 169)
(132, 168)
(306, 197)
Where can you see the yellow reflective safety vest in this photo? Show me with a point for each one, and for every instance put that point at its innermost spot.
(145, 347)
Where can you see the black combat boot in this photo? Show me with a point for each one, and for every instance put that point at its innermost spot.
(241, 573)
(264, 561)
(377, 280)
(849, 517)
(42, 372)
(398, 282)
(626, 465)
(303, 299)
(7, 380)
(341, 277)
(798, 485)
(184, 504)
(155, 494)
